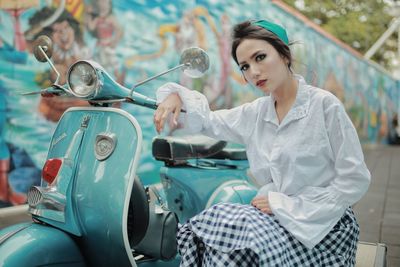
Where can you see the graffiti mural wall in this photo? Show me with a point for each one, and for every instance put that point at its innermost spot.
(136, 39)
(369, 93)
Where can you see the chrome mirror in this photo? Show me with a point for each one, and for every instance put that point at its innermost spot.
(195, 61)
(43, 48)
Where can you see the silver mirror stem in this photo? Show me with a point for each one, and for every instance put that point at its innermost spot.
(158, 75)
(42, 49)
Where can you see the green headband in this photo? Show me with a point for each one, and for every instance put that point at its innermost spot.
(274, 28)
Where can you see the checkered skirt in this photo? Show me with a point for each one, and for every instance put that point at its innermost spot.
(229, 234)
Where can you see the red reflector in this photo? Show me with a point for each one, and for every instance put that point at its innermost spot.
(50, 170)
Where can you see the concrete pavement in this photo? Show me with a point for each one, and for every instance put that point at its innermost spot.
(378, 212)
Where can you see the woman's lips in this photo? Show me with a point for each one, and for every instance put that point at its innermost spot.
(261, 83)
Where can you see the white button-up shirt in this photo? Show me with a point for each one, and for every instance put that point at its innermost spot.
(310, 166)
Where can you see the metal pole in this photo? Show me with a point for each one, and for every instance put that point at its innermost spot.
(394, 26)
(43, 49)
(398, 43)
(158, 75)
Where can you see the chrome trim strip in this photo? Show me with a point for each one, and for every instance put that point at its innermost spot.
(35, 196)
(105, 145)
(10, 234)
(46, 203)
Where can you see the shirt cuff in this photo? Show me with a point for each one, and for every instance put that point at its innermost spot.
(194, 103)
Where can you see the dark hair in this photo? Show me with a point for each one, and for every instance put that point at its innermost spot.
(44, 14)
(247, 30)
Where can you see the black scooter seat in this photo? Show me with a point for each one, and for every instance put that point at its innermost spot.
(178, 148)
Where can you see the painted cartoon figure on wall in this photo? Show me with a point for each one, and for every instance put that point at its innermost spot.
(193, 30)
(103, 25)
(67, 36)
(13, 49)
(4, 154)
(190, 32)
(17, 170)
(224, 91)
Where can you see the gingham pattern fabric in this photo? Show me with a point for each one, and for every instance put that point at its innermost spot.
(231, 234)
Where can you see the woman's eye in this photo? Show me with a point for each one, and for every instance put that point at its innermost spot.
(260, 57)
(244, 67)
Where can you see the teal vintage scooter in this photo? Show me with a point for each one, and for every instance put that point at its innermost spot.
(91, 208)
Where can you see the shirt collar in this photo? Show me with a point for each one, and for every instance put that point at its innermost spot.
(298, 110)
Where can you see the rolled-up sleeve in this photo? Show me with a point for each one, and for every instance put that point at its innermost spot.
(234, 125)
(312, 212)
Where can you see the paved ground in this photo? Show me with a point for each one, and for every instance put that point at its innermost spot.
(378, 212)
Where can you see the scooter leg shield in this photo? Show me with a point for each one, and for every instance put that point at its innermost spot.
(32, 244)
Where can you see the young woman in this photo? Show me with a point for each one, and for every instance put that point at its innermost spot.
(302, 148)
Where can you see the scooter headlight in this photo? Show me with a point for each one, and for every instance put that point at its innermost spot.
(83, 79)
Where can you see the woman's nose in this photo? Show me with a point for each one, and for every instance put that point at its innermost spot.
(255, 72)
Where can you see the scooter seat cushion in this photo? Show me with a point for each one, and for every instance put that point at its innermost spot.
(174, 148)
(231, 153)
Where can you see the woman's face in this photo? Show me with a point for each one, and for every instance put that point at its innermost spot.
(104, 8)
(262, 65)
(63, 35)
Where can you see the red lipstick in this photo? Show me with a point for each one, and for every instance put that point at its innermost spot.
(261, 83)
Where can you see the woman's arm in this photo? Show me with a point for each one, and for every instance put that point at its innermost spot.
(235, 125)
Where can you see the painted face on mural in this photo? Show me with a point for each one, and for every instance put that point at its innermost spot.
(104, 8)
(63, 35)
(262, 65)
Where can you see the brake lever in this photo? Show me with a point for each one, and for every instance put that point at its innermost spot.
(54, 90)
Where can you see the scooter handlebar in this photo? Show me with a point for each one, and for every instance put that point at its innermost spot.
(54, 90)
(142, 100)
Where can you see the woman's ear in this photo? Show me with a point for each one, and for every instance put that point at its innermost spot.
(286, 60)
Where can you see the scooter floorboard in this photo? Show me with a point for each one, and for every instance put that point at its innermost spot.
(159, 263)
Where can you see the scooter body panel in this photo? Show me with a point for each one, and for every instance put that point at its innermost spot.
(32, 244)
(99, 189)
(189, 190)
(159, 263)
(81, 217)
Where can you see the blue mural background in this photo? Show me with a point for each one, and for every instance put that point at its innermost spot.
(137, 39)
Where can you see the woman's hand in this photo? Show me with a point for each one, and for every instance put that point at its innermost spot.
(171, 104)
(262, 203)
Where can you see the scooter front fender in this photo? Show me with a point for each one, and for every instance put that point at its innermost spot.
(32, 244)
